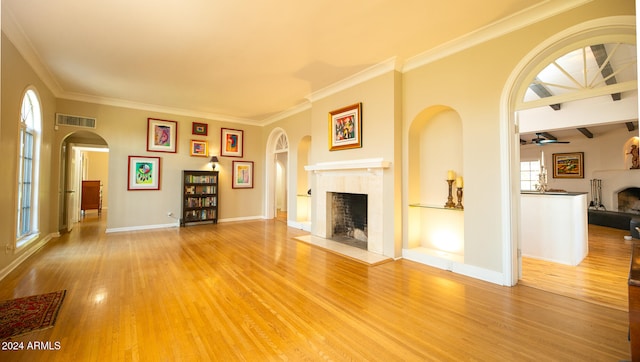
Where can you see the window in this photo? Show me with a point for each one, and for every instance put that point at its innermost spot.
(29, 143)
(529, 172)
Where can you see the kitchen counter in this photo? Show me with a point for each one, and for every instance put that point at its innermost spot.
(554, 226)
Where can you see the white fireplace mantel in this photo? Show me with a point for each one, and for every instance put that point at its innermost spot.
(368, 164)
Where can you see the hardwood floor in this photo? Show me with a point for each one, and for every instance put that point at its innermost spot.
(601, 277)
(249, 291)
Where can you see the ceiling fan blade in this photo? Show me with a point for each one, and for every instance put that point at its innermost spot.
(543, 142)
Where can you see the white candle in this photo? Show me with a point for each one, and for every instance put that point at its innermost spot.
(459, 182)
(451, 175)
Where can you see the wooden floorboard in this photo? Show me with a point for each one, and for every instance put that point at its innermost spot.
(600, 278)
(249, 291)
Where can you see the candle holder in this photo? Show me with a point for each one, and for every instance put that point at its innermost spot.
(542, 180)
(459, 194)
(450, 204)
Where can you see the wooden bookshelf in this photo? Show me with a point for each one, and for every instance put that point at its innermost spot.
(199, 197)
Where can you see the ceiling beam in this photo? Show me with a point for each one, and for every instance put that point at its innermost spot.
(548, 136)
(585, 132)
(574, 96)
(600, 53)
(630, 126)
(543, 92)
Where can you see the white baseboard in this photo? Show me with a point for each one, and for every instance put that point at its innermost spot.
(26, 254)
(245, 218)
(142, 227)
(302, 225)
(454, 264)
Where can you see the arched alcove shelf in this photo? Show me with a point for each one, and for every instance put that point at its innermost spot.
(435, 232)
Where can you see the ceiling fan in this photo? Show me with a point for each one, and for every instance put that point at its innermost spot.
(540, 140)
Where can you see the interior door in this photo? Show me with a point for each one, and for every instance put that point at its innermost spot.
(71, 182)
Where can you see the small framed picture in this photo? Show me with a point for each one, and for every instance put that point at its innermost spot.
(161, 135)
(231, 142)
(568, 165)
(199, 148)
(200, 129)
(345, 127)
(242, 175)
(143, 173)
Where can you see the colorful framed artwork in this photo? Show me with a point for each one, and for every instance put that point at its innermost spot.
(199, 148)
(161, 135)
(144, 173)
(231, 142)
(568, 165)
(345, 127)
(242, 175)
(200, 129)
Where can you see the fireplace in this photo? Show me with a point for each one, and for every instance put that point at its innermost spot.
(348, 218)
(363, 177)
(629, 200)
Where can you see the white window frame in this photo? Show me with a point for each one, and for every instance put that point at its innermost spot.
(28, 168)
(529, 175)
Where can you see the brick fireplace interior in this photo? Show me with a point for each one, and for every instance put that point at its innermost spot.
(349, 218)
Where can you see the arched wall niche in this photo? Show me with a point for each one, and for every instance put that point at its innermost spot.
(435, 147)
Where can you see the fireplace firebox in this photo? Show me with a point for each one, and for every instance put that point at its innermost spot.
(349, 218)
(629, 200)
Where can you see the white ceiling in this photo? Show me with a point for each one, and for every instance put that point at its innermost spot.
(241, 60)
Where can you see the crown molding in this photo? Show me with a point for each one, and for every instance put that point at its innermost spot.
(494, 30)
(524, 18)
(358, 78)
(155, 108)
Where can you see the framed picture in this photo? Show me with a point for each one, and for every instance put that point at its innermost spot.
(199, 148)
(200, 129)
(231, 142)
(568, 165)
(242, 175)
(345, 128)
(144, 173)
(161, 135)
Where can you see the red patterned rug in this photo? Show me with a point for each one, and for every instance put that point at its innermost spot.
(23, 315)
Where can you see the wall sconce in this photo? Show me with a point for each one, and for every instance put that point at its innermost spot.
(214, 162)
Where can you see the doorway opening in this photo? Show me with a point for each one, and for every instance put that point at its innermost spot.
(277, 175)
(84, 156)
(591, 36)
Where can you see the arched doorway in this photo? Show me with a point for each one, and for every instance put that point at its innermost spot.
(276, 167)
(600, 31)
(83, 155)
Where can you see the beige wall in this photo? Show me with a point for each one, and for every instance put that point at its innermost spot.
(470, 83)
(296, 127)
(381, 136)
(16, 78)
(125, 129)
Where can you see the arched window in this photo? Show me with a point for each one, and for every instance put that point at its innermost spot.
(282, 144)
(595, 70)
(29, 143)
